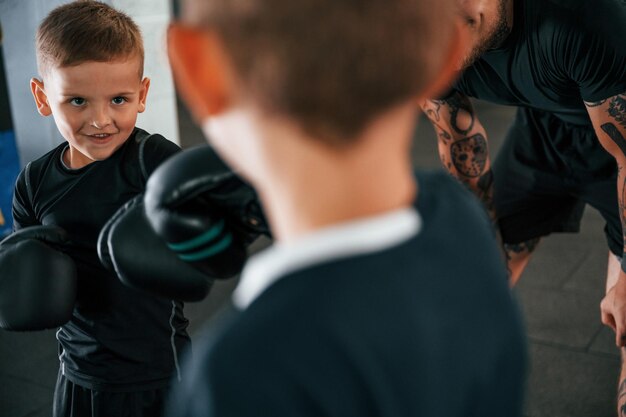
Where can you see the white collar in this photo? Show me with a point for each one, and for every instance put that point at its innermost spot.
(371, 234)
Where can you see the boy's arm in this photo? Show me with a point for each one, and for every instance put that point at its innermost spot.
(609, 120)
(22, 208)
(463, 147)
(38, 284)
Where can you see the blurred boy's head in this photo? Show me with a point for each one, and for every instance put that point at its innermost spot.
(90, 59)
(330, 66)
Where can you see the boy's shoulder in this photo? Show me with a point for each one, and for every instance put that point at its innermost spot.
(140, 138)
(142, 149)
(150, 149)
(40, 164)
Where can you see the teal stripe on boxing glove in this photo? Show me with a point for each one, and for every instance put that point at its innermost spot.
(219, 247)
(184, 204)
(196, 249)
(199, 241)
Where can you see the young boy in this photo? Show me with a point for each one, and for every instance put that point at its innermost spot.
(384, 294)
(119, 350)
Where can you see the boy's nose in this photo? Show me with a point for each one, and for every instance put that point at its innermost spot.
(100, 119)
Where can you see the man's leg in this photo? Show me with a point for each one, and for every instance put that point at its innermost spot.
(517, 257)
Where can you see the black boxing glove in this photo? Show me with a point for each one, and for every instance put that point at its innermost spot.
(204, 211)
(37, 281)
(128, 246)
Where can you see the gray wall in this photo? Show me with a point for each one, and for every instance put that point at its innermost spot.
(35, 134)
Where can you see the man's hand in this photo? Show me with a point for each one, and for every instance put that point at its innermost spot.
(613, 309)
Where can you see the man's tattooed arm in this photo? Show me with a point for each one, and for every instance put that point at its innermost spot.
(463, 144)
(609, 118)
(618, 138)
(617, 109)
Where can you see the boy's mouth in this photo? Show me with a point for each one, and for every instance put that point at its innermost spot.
(101, 136)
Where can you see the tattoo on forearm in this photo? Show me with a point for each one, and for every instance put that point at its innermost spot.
(443, 135)
(431, 108)
(617, 109)
(461, 114)
(469, 155)
(616, 136)
(621, 198)
(517, 248)
(622, 207)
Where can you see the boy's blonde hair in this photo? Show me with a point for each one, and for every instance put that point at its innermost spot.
(330, 65)
(86, 30)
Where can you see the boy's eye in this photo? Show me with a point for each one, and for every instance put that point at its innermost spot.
(119, 100)
(77, 101)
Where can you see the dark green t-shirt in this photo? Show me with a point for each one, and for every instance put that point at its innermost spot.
(559, 54)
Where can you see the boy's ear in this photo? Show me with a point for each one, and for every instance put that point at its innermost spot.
(200, 70)
(450, 70)
(41, 99)
(143, 94)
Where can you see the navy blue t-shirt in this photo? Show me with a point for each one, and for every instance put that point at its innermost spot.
(424, 328)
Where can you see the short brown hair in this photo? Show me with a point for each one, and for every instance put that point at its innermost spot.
(330, 65)
(86, 30)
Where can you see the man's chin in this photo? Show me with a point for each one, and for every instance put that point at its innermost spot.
(472, 57)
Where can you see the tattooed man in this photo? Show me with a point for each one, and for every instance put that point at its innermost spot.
(563, 63)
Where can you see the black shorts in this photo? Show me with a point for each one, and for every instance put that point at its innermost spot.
(545, 173)
(72, 400)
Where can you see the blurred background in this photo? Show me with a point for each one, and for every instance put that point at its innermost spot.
(574, 363)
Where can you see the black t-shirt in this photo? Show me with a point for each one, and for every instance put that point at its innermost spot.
(118, 338)
(559, 53)
(425, 328)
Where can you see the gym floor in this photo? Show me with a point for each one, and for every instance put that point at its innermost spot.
(574, 363)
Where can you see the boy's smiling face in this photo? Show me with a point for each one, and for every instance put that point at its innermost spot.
(94, 105)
